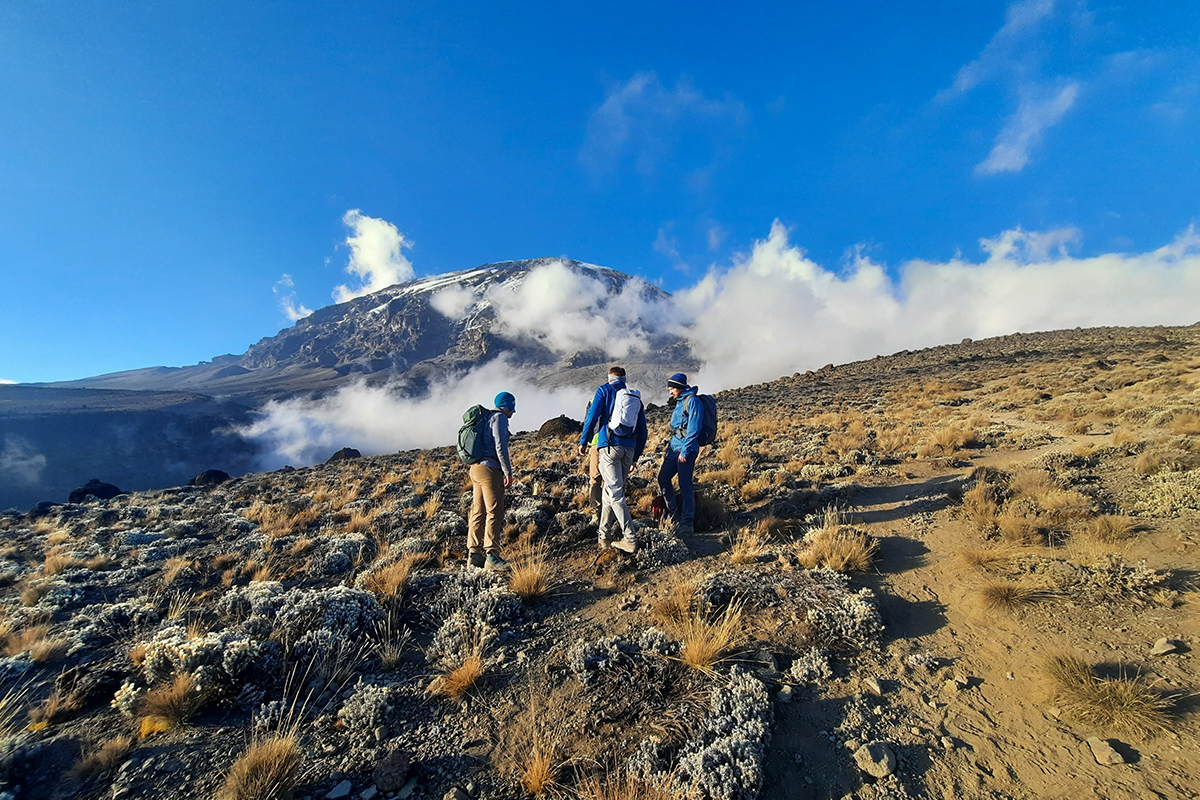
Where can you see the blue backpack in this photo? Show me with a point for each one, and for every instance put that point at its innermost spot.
(708, 425)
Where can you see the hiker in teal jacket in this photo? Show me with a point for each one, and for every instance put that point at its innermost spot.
(680, 458)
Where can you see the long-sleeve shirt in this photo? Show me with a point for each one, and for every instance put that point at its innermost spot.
(598, 415)
(685, 423)
(495, 443)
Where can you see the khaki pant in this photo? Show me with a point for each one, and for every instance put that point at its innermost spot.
(597, 486)
(486, 523)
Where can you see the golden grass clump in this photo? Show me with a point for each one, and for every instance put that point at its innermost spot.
(388, 582)
(748, 544)
(1006, 596)
(981, 506)
(622, 786)
(676, 606)
(104, 758)
(170, 706)
(12, 709)
(841, 547)
(175, 567)
(456, 682)
(362, 520)
(529, 576)
(1187, 424)
(269, 769)
(946, 441)
(1110, 529)
(1130, 705)
(56, 563)
(706, 643)
(55, 708)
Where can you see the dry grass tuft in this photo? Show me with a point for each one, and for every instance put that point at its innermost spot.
(105, 758)
(705, 643)
(12, 709)
(55, 708)
(676, 606)
(1007, 596)
(388, 582)
(1110, 529)
(842, 548)
(172, 705)
(539, 770)
(622, 786)
(174, 567)
(456, 682)
(748, 545)
(1123, 705)
(984, 559)
(530, 570)
(981, 506)
(268, 770)
(56, 563)
(1186, 424)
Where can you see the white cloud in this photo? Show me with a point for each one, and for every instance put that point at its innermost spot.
(453, 301)
(1023, 131)
(7, 382)
(284, 290)
(376, 419)
(716, 235)
(375, 256)
(20, 462)
(642, 119)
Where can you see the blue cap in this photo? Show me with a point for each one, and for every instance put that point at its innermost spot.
(678, 380)
(506, 400)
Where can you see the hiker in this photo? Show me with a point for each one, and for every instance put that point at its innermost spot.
(680, 458)
(595, 481)
(490, 476)
(617, 415)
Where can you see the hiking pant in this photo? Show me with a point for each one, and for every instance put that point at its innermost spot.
(487, 510)
(615, 463)
(596, 492)
(672, 466)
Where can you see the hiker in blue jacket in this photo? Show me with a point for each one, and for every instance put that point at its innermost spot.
(619, 449)
(489, 478)
(680, 458)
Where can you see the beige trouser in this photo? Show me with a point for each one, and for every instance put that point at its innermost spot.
(597, 490)
(487, 510)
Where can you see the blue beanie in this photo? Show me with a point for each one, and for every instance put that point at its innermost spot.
(678, 380)
(506, 400)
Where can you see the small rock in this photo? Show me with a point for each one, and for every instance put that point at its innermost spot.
(947, 743)
(876, 759)
(408, 788)
(369, 793)
(957, 684)
(341, 790)
(456, 793)
(392, 771)
(873, 686)
(785, 694)
(1104, 753)
(1165, 647)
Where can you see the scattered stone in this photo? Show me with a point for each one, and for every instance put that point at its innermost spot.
(947, 743)
(392, 771)
(369, 793)
(785, 694)
(956, 684)
(210, 477)
(1165, 647)
(345, 454)
(408, 788)
(95, 489)
(341, 790)
(876, 759)
(873, 686)
(1104, 753)
(456, 793)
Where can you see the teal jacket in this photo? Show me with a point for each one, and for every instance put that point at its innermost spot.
(685, 423)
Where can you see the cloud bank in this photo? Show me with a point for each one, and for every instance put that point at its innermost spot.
(375, 256)
(20, 462)
(769, 312)
(379, 419)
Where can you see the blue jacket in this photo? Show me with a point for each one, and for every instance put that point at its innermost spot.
(598, 415)
(685, 423)
(495, 443)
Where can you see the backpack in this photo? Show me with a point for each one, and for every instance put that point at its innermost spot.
(470, 435)
(708, 425)
(626, 406)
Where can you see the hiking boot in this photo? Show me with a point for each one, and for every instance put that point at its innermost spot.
(495, 563)
(624, 545)
(476, 560)
(605, 544)
(686, 527)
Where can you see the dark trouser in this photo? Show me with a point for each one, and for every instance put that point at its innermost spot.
(672, 466)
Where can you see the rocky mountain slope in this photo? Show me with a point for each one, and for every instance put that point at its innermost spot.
(101, 426)
(962, 572)
(397, 335)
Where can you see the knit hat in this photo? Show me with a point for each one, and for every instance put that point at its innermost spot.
(506, 400)
(678, 380)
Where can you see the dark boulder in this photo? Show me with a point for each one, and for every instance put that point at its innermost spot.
(392, 771)
(94, 489)
(345, 454)
(210, 477)
(561, 427)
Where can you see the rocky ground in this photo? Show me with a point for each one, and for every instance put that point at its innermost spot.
(963, 572)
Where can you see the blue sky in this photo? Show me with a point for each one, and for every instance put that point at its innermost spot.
(164, 165)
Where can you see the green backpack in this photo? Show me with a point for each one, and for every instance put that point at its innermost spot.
(470, 435)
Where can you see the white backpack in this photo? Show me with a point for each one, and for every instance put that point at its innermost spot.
(626, 406)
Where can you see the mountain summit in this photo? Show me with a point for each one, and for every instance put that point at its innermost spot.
(419, 330)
